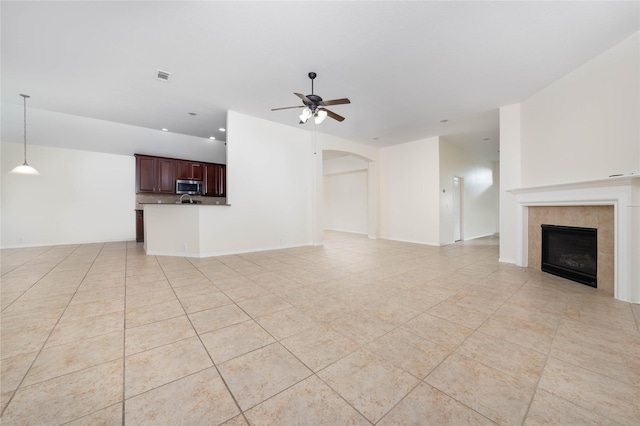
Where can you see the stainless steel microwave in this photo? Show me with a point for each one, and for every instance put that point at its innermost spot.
(191, 187)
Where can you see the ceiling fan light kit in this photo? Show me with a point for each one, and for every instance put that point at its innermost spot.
(320, 115)
(314, 106)
(306, 113)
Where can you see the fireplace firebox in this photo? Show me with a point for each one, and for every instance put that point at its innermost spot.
(571, 252)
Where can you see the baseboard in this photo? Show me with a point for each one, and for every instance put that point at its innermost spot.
(345, 231)
(410, 241)
(21, 246)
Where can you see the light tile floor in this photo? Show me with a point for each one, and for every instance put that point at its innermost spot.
(355, 332)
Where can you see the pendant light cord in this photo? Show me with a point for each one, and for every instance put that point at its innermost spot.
(24, 98)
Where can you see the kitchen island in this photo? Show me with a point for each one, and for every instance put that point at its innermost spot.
(187, 230)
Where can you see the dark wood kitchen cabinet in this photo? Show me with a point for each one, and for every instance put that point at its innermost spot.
(155, 175)
(189, 170)
(215, 180)
(139, 226)
(166, 176)
(145, 174)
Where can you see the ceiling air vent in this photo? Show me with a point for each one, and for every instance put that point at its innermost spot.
(163, 75)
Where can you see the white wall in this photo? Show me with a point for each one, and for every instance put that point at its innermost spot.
(79, 197)
(269, 182)
(510, 178)
(585, 125)
(409, 194)
(345, 187)
(345, 202)
(479, 190)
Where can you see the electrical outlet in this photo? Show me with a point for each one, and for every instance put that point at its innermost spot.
(185, 246)
(20, 240)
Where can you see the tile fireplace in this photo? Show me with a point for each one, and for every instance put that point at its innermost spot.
(610, 205)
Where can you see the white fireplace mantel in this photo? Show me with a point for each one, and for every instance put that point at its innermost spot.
(623, 192)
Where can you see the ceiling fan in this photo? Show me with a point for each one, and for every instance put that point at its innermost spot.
(314, 106)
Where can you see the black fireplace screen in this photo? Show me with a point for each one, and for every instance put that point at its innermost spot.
(571, 252)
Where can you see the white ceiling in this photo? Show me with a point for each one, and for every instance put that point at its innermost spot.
(405, 65)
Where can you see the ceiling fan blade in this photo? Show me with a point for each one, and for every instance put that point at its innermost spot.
(335, 102)
(276, 109)
(334, 115)
(303, 97)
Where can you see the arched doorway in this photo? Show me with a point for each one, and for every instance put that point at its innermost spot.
(349, 193)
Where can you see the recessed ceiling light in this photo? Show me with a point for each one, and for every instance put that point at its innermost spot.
(213, 138)
(486, 139)
(444, 121)
(165, 130)
(192, 113)
(222, 129)
(375, 139)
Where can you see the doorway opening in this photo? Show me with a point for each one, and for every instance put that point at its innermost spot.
(458, 186)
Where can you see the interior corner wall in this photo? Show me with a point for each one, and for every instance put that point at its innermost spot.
(79, 197)
(510, 178)
(270, 170)
(409, 194)
(587, 124)
(479, 192)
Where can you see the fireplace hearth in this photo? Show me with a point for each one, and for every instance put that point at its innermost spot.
(571, 252)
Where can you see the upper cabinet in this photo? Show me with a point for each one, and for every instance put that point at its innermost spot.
(166, 176)
(215, 184)
(155, 175)
(146, 174)
(189, 170)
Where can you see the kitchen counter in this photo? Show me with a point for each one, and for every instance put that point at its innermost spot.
(197, 230)
(181, 204)
(171, 199)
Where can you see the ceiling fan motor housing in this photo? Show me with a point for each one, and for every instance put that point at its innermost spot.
(315, 102)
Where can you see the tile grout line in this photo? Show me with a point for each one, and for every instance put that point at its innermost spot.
(226, 385)
(277, 341)
(460, 344)
(544, 366)
(56, 323)
(39, 279)
(635, 317)
(124, 337)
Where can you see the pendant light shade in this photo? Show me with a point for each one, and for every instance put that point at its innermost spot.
(25, 169)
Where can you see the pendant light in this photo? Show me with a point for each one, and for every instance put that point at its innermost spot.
(25, 169)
